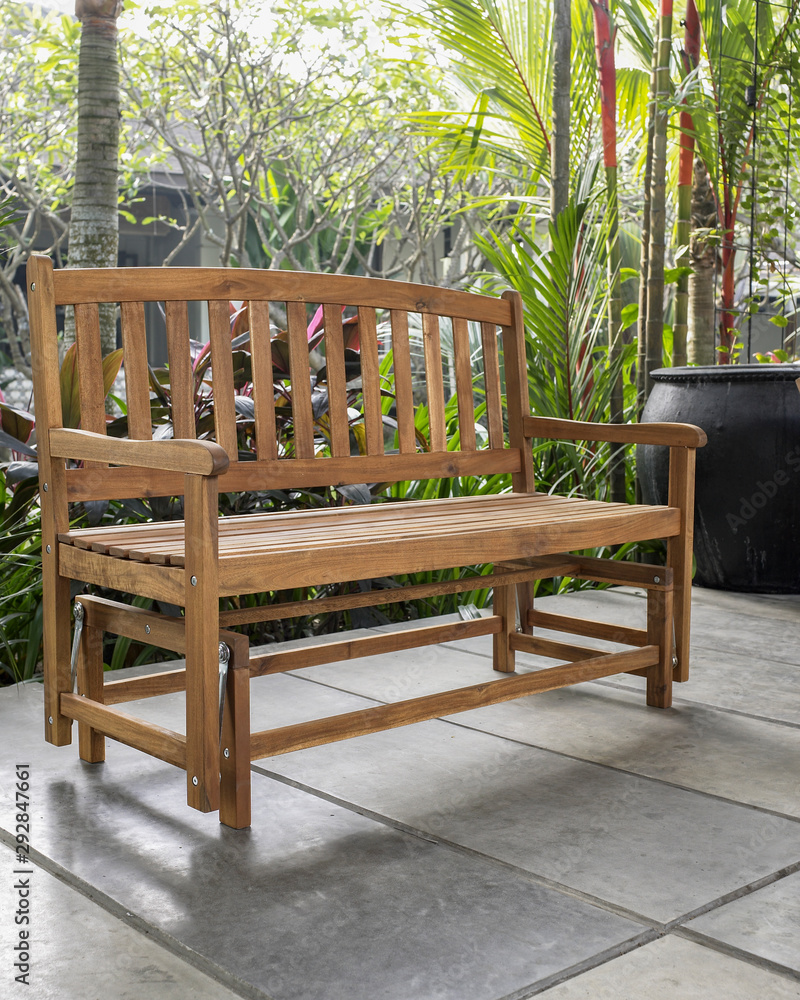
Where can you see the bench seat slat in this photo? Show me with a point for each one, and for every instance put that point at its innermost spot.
(263, 552)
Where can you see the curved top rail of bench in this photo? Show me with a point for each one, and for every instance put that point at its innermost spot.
(159, 284)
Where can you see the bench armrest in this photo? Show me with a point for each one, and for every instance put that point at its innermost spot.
(674, 435)
(200, 458)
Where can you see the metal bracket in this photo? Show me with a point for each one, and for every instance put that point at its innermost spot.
(224, 658)
(78, 613)
(468, 613)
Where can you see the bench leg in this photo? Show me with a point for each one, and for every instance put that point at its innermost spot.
(659, 633)
(505, 606)
(525, 604)
(234, 791)
(91, 743)
(679, 551)
(57, 642)
(202, 643)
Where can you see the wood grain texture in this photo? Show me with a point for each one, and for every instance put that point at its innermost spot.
(160, 582)
(300, 374)
(86, 484)
(202, 646)
(682, 462)
(403, 386)
(341, 727)
(517, 393)
(371, 645)
(219, 335)
(147, 736)
(181, 377)
(504, 607)
(90, 368)
(56, 603)
(371, 598)
(201, 458)
(371, 380)
(263, 381)
(159, 284)
(336, 381)
(554, 648)
(148, 686)
(91, 743)
(676, 435)
(601, 570)
(234, 801)
(463, 363)
(659, 633)
(594, 629)
(137, 375)
(434, 382)
(491, 382)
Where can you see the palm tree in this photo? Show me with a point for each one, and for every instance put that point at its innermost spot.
(94, 226)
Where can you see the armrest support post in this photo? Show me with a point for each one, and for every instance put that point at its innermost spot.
(202, 641)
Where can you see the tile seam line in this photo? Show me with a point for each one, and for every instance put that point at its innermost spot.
(587, 965)
(688, 703)
(533, 877)
(141, 925)
(567, 756)
(748, 889)
(741, 954)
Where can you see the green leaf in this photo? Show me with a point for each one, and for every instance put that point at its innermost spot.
(673, 274)
(70, 389)
(630, 314)
(626, 273)
(111, 365)
(780, 321)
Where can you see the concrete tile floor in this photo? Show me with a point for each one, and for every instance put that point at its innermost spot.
(574, 844)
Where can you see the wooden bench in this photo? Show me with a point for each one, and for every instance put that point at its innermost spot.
(194, 562)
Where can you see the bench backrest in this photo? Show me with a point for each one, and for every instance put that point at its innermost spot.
(305, 457)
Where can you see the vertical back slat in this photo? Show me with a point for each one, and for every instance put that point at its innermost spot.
(137, 376)
(263, 382)
(301, 380)
(219, 333)
(371, 379)
(181, 377)
(466, 407)
(89, 363)
(337, 379)
(90, 367)
(491, 375)
(404, 393)
(517, 392)
(433, 379)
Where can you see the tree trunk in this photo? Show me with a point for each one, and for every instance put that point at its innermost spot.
(562, 53)
(703, 258)
(94, 220)
(654, 350)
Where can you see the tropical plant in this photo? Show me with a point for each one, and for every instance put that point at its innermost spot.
(565, 293)
(745, 44)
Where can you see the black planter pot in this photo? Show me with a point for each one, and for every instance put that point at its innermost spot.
(747, 508)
